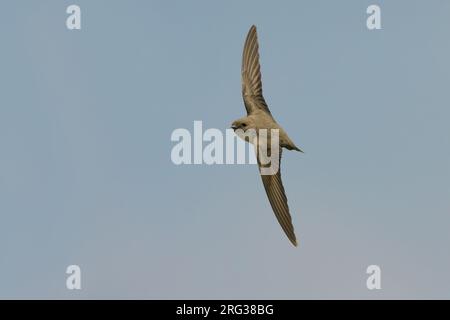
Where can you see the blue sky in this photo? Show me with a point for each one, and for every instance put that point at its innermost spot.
(86, 177)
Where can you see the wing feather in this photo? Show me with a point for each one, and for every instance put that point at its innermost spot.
(278, 201)
(251, 75)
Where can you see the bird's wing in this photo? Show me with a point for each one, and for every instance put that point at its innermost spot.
(251, 75)
(278, 201)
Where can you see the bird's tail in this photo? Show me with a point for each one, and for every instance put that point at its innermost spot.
(298, 149)
(294, 147)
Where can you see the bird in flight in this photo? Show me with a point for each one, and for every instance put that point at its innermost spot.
(259, 117)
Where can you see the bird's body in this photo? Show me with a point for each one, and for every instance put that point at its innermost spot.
(259, 119)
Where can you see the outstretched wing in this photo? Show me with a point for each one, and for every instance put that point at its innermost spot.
(278, 201)
(251, 75)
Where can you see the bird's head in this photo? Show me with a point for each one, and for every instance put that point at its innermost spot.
(243, 124)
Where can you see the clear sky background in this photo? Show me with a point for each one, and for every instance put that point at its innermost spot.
(85, 170)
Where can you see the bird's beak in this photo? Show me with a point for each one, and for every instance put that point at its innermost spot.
(233, 127)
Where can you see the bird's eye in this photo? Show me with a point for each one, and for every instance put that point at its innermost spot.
(244, 124)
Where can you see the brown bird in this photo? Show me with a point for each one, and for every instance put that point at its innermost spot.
(259, 117)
